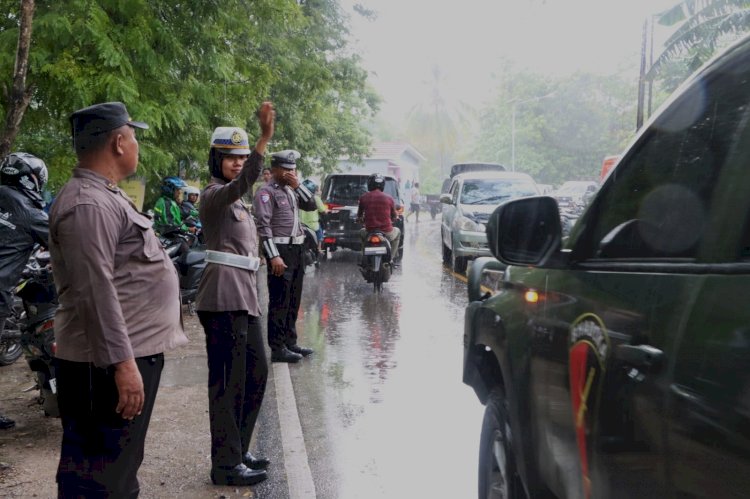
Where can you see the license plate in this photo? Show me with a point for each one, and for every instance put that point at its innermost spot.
(375, 251)
(53, 385)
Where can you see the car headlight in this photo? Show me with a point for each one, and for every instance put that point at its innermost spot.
(467, 224)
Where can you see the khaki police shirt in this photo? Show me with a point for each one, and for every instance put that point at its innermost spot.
(228, 226)
(118, 290)
(276, 208)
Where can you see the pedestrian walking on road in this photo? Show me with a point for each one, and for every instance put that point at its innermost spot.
(276, 207)
(228, 305)
(119, 310)
(416, 199)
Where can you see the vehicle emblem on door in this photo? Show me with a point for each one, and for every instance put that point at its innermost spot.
(589, 345)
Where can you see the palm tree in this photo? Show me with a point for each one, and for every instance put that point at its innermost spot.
(707, 26)
(437, 124)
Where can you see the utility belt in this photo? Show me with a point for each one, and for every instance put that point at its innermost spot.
(289, 240)
(233, 260)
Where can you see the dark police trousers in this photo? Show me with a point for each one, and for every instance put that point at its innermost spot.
(284, 294)
(237, 374)
(101, 452)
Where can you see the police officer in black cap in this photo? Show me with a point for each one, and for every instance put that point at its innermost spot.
(119, 310)
(276, 207)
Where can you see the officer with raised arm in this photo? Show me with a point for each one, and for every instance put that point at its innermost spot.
(276, 208)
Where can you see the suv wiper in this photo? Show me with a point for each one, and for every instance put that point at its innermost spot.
(491, 198)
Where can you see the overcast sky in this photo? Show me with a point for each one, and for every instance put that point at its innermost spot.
(468, 38)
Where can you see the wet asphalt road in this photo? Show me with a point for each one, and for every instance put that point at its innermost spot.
(381, 403)
(378, 411)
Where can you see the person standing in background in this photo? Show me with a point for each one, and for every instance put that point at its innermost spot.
(416, 198)
(312, 218)
(276, 207)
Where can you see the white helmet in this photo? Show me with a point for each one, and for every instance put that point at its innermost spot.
(191, 190)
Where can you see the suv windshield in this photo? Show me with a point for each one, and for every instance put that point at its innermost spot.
(347, 189)
(493, 191)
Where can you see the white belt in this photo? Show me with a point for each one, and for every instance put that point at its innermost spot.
(289, 240)
(233, 260)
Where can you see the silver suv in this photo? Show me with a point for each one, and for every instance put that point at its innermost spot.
(467, 205)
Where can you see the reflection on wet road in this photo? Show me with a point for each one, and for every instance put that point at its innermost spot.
(381, 402)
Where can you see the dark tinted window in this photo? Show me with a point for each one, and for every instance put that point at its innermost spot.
(658, 202)
(347, 189)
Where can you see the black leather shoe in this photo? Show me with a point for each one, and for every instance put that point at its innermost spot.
(285, 355)
(6, 423)
(255, 463)
(239, 475)
(300, 350)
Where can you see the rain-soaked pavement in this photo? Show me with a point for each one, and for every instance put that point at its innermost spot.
(381, 403)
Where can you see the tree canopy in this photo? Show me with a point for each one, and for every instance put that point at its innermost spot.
(187, 66)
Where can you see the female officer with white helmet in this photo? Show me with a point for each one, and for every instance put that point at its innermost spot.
(228, 305)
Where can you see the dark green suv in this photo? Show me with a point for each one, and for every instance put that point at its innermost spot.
(618, 364)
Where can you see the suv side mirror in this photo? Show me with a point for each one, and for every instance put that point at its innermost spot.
(446, 199)
(525, 231)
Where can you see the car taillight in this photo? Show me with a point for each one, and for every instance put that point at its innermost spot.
(329, 240)
(333, 207)
(50, 324)
(375, 239)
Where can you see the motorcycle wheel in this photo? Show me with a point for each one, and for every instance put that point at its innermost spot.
(47, 399)
(10, 350)
(377, 281)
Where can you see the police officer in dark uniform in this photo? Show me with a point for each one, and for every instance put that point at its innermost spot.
(276, 208)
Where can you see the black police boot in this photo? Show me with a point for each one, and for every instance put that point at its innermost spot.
(285, 355)
(255, 463)
(6, 423)
(238, 475)
(300, 350)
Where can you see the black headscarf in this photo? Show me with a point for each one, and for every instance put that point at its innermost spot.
(214, 164)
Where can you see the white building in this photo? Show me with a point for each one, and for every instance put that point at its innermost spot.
(399, 159)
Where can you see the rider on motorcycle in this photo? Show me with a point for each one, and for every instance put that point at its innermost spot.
(167, 213)
(23, 223)
(377, 211)
(187, 207)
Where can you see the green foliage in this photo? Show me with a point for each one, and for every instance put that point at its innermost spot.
(564, 127)
(187, 67)
(707, 26)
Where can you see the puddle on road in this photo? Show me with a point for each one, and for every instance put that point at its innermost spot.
(189, 371)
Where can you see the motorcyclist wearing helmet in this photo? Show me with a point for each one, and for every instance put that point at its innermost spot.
(377, 211)
(23, 223)
(167, 208)
(187, 208)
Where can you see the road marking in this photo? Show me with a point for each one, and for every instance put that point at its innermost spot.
(298, 474)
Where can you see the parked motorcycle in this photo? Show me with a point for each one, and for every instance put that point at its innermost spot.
(189, 258)
(39, 297)
(376, 260)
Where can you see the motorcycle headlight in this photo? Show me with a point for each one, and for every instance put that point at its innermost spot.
(467, 224)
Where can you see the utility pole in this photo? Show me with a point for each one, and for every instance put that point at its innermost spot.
(642, 79)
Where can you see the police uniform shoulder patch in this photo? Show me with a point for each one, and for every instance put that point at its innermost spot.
(265, 197)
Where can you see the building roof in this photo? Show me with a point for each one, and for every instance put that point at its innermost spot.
(394, 151)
